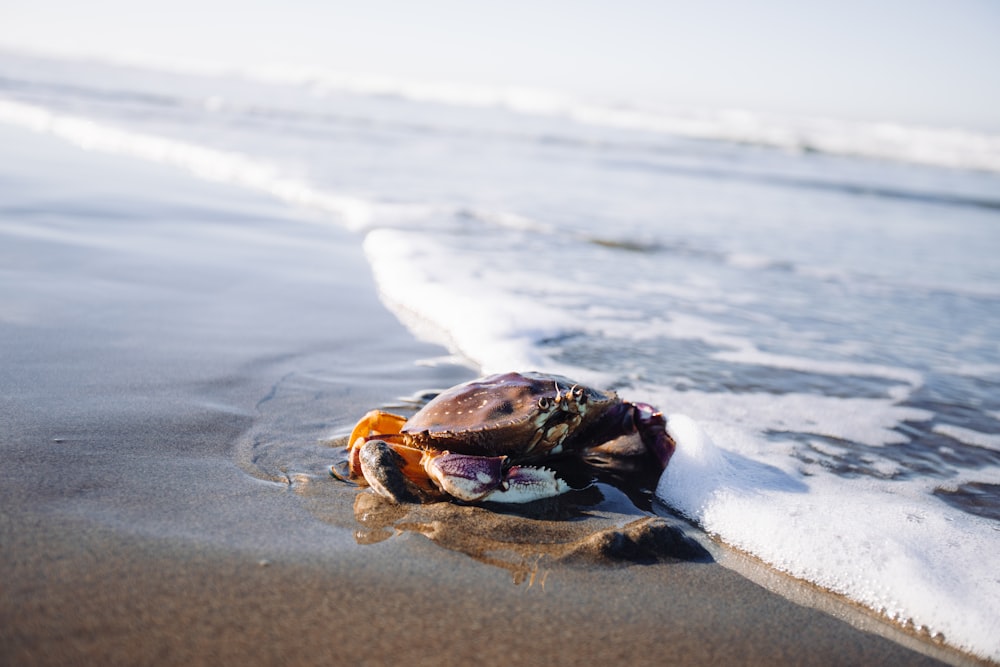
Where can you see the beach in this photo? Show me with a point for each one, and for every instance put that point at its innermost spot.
(180, 358)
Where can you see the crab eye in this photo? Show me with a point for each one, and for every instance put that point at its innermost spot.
(544, 403)
(579, 394)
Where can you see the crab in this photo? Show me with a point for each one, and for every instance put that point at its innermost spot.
(479, 441)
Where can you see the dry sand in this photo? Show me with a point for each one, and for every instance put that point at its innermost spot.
(176, 357)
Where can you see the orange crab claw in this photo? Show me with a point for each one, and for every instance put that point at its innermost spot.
(386, 427)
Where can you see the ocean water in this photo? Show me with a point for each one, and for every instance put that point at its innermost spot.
(815, 303)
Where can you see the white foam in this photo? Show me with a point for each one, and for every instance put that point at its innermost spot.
(495, 313)
(869, 421)
(888, 545)
(942, 147)
(748, 353)
(516, 98)
(975, 370)
(969, 436)
(447, 299)
(740, 350)
(945, 147)
(207, 163)
(877, 542)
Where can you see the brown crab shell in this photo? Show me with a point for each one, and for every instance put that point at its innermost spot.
(511, 414)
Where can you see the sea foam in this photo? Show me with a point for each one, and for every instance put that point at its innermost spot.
(870, 540)
(446, 298)
(943, 147)
(884, 543)
(950, 147)
(207, 163)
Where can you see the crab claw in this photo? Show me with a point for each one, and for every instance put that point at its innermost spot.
(466, 477)
(474, 478)
(382, 468)
(524, 484)
(652, 429)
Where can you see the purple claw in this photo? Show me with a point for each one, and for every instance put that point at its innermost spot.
(652, 429)
(467, 478)
(472, 478)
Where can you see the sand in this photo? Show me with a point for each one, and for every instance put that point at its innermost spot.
(178, 359)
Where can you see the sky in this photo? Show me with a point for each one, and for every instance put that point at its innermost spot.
(912, 61)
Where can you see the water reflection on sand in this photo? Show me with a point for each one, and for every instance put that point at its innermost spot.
(526, 543)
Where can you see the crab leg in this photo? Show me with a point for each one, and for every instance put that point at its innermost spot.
(376, 423)
(473, 478)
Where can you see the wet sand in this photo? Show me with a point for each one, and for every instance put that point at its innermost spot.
(177, 358)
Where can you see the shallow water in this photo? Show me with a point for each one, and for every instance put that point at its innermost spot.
(829, 320)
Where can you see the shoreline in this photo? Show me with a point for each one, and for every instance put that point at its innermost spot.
(179, 355)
